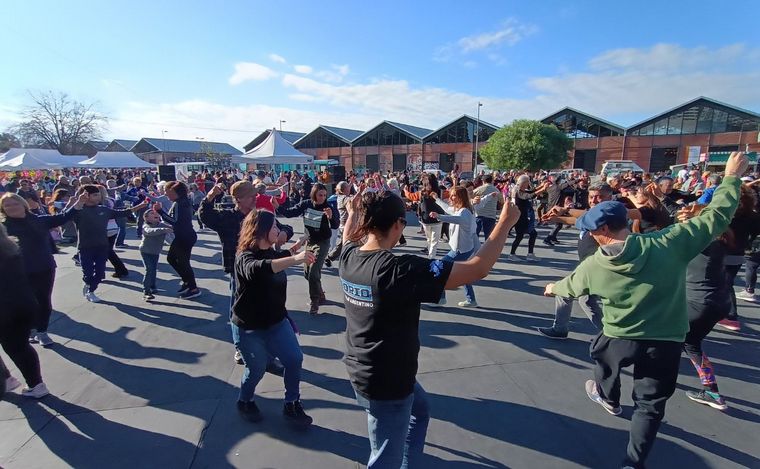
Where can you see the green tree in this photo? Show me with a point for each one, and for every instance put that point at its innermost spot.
(526, 145)
(8, 141)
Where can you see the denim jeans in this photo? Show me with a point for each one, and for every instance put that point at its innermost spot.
(486, 225)
(93, 262)
(150, 261)
(563, 307)
(750, 272)
(397, 429)
(256, 346)
(453, 256)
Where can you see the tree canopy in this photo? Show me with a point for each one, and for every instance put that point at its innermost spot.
(55, 121)
(526, 145)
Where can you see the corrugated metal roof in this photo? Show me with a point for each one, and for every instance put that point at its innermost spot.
(418, 132)
(291, 136)
(125, 144)
(191, 146)
(98, 144)
(348, 135)
(701, 99)
(599, 120)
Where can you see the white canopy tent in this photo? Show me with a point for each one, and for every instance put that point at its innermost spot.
(115, 159)
(274, 150)
(27, 161)
(49, 156)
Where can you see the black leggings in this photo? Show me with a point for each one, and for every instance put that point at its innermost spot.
(114, 259)
(702, 319)
(555, 231)
(42, 287)
(15, 342)
(520, 234)
(179, 258)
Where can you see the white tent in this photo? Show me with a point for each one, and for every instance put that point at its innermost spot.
(50, 156)
(274, 150)
(115, 159)
(27, 161)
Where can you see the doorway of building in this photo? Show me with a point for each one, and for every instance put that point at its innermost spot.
(372, 163)
(399, 162)
(585, 160)
(446, 161)
(662, 159)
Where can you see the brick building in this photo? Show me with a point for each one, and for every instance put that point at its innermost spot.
(215, 155)
(680, 135)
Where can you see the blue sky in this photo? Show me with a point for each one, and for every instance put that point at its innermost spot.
(227, 70)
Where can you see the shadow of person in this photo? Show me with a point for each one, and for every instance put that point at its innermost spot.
(565, 437)
(85, 439)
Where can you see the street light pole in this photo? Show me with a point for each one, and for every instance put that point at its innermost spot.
(477, 135)
(282, 122)
(163, 152)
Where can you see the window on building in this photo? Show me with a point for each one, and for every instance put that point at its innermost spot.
(704, 124)
(690, 117)
(446, 161)
(662, 159)
(399, 162)
(373, 163)
(674, 124)
(661, 127)
(720, 120)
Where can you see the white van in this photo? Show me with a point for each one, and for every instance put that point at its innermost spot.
(620, 166)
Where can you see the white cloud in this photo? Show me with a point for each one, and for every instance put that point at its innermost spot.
(336, 74)
(277, 58)
(246, 71)
(510, 33)
(305, 69)
(619, 84)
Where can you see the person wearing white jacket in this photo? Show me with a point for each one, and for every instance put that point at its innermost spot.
(463, 237)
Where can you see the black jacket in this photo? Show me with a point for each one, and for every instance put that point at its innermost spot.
(33, 234)
(19, 305)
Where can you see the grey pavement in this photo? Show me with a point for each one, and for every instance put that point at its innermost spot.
(145, 385)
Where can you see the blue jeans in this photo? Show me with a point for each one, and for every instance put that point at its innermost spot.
(256, 346)
(486, 225)
(397, 429)
(453, 256)
(93, 262)
(150, 261)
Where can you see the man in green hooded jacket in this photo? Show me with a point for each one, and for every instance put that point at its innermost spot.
(644, 303)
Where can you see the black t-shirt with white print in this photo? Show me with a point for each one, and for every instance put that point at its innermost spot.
(382, 294)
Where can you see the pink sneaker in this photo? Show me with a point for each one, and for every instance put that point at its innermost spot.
(730, 324)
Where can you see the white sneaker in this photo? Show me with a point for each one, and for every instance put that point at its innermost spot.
(468, 304)
(44, 339)
(92, 297)
(36, 392)
(513, 258)
(531, 257)
(746, 296)
(85, 290)
(238, 357)
(11, 383)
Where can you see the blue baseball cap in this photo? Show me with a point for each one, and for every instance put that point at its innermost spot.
(602, 214)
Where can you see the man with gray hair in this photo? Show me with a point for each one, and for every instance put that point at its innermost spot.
(713, 181)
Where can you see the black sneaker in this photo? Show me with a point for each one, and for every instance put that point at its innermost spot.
(293, 412)
(249, 411)
(194, 293)
(551, 333)
(120, 274)
(182, 289)
(328, 262)
(548, 242)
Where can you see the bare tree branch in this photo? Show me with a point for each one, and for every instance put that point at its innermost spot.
(54, 120)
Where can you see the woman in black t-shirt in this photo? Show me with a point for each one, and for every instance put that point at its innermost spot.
(259, 316)
(382, 294)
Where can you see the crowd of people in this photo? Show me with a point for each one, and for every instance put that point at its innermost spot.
(647, 311)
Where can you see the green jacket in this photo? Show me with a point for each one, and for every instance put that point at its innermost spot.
(643, 288)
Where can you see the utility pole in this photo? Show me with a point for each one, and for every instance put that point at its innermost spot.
(475, 148)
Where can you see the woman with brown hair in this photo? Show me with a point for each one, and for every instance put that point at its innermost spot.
(259, 316)
(427, 205)
(180, 217)
(316, 214)
(654, 215)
